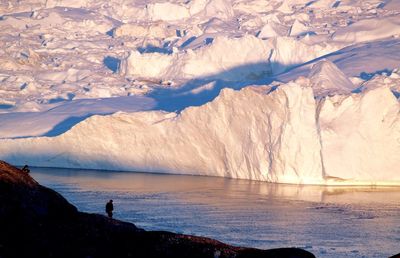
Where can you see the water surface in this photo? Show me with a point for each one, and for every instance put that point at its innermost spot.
(328, 221)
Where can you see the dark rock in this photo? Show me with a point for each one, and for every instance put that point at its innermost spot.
(36, 221)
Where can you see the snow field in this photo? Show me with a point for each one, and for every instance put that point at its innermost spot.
(286, 91)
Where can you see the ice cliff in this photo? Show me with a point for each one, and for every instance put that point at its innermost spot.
(262, 133)
(360, 136)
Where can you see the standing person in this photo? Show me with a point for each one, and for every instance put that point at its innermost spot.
(109, 208)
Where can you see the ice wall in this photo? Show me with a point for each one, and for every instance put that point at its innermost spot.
(279, 143)
(282, 135)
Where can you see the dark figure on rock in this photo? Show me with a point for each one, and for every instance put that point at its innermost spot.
(26, 169)
(109, 208)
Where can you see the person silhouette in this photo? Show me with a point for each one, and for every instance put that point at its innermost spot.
(26, 169)
(109, 208)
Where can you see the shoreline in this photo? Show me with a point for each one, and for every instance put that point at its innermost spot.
(44, 223)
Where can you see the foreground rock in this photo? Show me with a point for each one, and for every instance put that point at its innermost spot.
(38, 222)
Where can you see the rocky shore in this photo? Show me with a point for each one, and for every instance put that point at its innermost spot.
(36, 221)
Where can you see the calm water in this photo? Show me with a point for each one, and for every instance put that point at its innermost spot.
(328, 221)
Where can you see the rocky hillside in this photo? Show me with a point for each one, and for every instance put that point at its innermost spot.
(36, 221)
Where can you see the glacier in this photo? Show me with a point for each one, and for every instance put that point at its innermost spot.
(287, 91)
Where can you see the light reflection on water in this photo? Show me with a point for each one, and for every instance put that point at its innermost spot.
(328, 221)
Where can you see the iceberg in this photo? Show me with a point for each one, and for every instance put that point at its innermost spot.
(279, 144)
(247, 59)
(327, 79)
(288, 137)
(360, 136)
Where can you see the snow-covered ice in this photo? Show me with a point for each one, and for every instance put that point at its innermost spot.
(287, 91)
